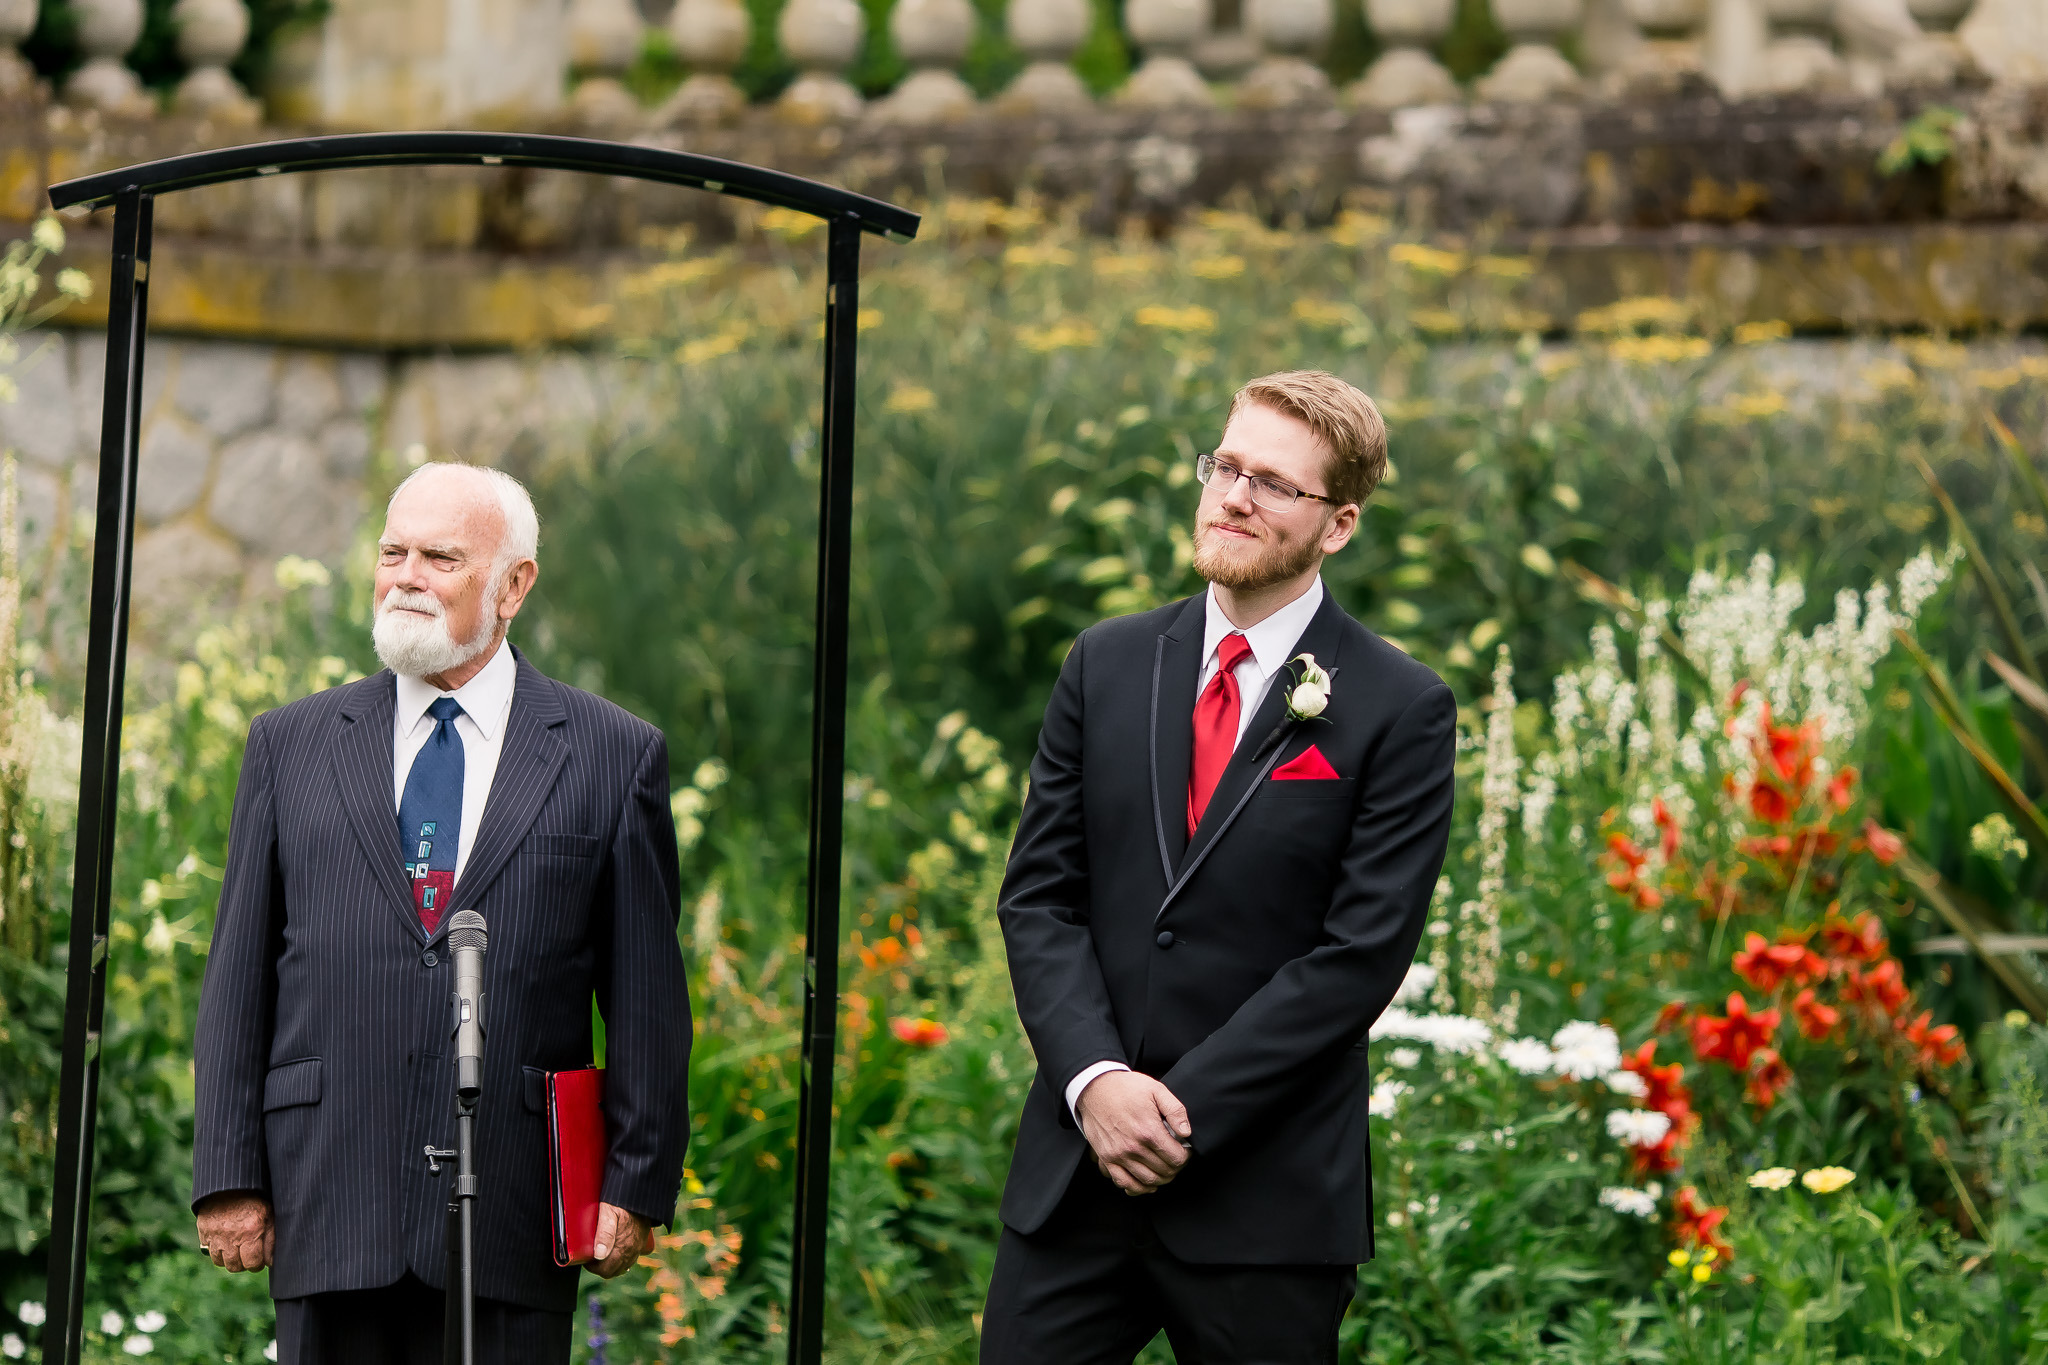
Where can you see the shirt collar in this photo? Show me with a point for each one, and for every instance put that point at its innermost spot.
(484, 698)
(1270, 639)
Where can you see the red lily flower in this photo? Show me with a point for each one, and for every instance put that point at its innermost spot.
(1667, 824)
(1838, 787)
(919, 1033)
(1735, 1039)
(1884, 845)
(1766, 966)
(1859, 940)
(1768, 1075)
(1816, 1021)
(1935, 1046)
(1882, 988)
(1696, 1223)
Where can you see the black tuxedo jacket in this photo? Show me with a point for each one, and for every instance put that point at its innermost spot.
(323, 1049)
(1243, 967)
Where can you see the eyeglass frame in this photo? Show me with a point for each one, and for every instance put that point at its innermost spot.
(1215, 463)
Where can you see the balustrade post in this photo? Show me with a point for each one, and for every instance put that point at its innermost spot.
(711, 37)
(1800, 59)
(1049, 32)
(822, 37)
(604, 38)
(1167, 31)
(933, 36)
(1670, 59)
(210, 35)
(17, 21)
(1534, 71)
(2007, 40)
(1288, 31)
(107, 30)
(1407, 73)
(1886, 48)
(1227, 48)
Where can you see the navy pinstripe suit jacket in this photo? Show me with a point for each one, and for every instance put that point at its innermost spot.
(323, 1049)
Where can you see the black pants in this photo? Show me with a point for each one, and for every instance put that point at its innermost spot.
(1094, 1285)
(401, 1324)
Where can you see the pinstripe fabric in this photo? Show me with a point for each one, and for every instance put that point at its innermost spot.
(323, 1050)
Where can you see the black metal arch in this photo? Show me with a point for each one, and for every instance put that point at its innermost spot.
(131, 192)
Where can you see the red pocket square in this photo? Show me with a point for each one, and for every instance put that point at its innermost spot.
(1308, 765)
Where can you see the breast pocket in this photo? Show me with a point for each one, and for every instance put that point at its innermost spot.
(1308, 788)
(559, 846)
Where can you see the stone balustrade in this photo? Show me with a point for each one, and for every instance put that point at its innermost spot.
(419, 63)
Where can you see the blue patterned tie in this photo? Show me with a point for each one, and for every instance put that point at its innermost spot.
(430, 815)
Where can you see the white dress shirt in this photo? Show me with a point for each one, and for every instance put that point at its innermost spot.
(486, 702)
(1272, 641)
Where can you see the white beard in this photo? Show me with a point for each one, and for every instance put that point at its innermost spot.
(414, 646)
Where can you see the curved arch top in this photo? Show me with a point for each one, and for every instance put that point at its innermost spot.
(345, 151)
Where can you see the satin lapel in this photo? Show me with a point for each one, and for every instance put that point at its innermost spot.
(361, 760)
(1175, 666)
(527, 768)
(1264, 741)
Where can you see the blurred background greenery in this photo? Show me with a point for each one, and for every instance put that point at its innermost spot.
(1031, 402)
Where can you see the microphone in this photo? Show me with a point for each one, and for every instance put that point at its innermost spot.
(466, 939)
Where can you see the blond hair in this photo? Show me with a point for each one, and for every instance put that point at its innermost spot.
(1342, 417)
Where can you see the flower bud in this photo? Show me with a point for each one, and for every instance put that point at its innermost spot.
(1308, 699)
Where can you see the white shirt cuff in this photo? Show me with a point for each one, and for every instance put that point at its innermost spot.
(1080, 1083)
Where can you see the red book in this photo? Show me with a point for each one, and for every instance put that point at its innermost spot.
(576, 1152)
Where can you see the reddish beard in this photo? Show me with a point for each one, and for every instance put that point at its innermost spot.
(1251, 565)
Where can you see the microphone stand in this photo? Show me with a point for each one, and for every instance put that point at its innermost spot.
(466, 941)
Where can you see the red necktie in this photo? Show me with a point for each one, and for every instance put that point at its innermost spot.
(1215, 727)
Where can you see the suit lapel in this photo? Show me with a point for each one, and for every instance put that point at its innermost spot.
(1176, 664)
(1260, 749)
(528, 764)
(361, 760)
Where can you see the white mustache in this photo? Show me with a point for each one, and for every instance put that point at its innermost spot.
(400, 599)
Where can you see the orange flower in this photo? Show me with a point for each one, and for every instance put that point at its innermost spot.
(1768, 1075)
(1884, 845)
(889, 951)
(1934, 1046)
(1858, 940)
(1766, 966)
(1816, 1021)
(1627, 876)
(1668, 825)
(1882, 988)
(1665, 1085)
(1660, 1159)
(1669, 1017)
(919, 1033)
(1697, 1224)
(1838, 788)
(1735, 1039)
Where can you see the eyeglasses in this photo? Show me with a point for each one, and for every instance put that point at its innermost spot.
(1268, 492)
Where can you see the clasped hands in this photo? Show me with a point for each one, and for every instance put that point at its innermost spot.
(236, 1230)
(1138, 1132)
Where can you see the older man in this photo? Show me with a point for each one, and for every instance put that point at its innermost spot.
(459, 778)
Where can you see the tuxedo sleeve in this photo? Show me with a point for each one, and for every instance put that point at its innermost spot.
(1043, 906)
(238, 998)
(643, 994)
(1328, 999)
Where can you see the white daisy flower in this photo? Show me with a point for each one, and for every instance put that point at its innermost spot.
(31, 1313)
(152, 1321)
(1627, 1083)
(1622, 1199)
(138, 1345)
(1585, 1050)
(1414, 986)
(1384, 1096)
(111, 1323)
(1638, 1127)
(13, 1347)
(1530, 1056)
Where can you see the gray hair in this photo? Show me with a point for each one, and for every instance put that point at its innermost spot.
(521, 540)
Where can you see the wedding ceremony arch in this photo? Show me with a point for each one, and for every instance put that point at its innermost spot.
(130, 192)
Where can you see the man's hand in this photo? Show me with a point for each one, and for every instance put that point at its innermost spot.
(235, 1229)
(1136, 1128)
(621, 1240)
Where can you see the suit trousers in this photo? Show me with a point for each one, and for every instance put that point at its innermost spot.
(1093, 1286)
(403, 1324)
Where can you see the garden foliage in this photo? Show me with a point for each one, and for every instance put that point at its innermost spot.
(1673, 1080)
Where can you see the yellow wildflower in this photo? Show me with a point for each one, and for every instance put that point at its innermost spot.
(667, 275)
(1436, 321)
(1127, 264)
(1757, 333)
(1353, 228)
(48, 235)
(909, 398)
(1030, 257)
(1769, 403)
(1320, 313)
(1929, 353)
(74, 283)
(1219, 267)
(1886, 375)
(790, 224)
(1996, 381)
(1426, 260)
(1701, 1274)
(2034, 366)
(1507, 267)
(1772, 1178)
(1827, 1179)
(1193, 318)
(1658, 350)
(1651, 312)
(1058, 336)
(719, 343)
(1680, 1257)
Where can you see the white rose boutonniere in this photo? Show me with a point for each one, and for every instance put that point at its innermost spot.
(1309, 696)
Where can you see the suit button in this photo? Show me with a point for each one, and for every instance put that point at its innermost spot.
(1165, 939)
(429, 959)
